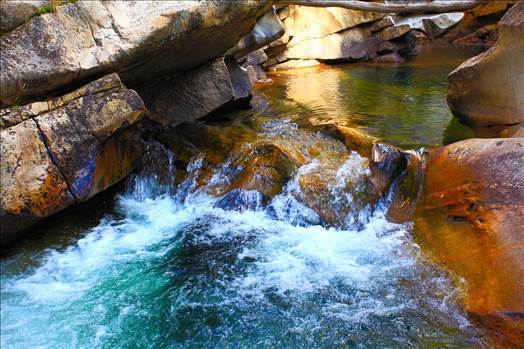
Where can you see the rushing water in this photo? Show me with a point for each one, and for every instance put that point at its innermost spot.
(171, 266)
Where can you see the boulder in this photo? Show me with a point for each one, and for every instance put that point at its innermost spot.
(268, 29)
(433, 25)
(485, 36)
(382, 23)
(386, 47)
(15, 12)
(32, 186)
(350, 44)
(393, 32)
(471, 217)
(489, 89)
(307, 23)
(66, 150)
(141, 40)
(198, 92)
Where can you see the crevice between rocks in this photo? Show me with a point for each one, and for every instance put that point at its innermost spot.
(53, 160)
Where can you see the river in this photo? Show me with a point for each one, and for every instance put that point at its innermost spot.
(202, 261)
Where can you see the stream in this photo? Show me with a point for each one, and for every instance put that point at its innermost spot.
(245, 247)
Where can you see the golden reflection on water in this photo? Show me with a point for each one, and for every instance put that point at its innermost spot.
(404, 105)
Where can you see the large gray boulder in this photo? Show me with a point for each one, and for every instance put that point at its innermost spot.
(198, 92)
(65, 150)
(489, 89)
(140, 40)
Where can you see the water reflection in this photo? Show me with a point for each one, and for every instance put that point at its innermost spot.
(403, 105)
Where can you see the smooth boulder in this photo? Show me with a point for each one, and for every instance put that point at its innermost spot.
(471, 217)
(141, 40)
(488, 89)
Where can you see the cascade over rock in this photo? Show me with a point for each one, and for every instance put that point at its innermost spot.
(487, 89)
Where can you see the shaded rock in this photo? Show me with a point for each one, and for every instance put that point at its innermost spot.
(254, 58)
(389, 58)
(141, 40)
(15, 12)
(471, 217)
(76, 137)
(79, 144)
(268, 29)
(406, 188)
(307, 23)
(386, 164)
(486, 35)
(392, 32)
(386, 47)
(382, 23)
(32, 186)
(198, 92)
(489, 89)
(486, 14)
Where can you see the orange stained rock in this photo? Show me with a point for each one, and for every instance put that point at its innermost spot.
(470, 217)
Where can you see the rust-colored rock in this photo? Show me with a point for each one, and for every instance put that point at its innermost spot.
(471, 217)
(32, 187)
(66, 150)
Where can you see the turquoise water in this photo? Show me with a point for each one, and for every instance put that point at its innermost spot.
(161, 265)
(175, 270)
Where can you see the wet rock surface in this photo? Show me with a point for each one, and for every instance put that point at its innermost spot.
(470, 216)
(66, 150)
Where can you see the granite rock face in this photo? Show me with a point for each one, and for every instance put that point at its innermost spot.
(65, 150)
(141, 40)
(15, 12)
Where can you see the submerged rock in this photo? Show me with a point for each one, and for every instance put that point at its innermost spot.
(66, 150)
(471, 216)
(489, 89)
(141, 40)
